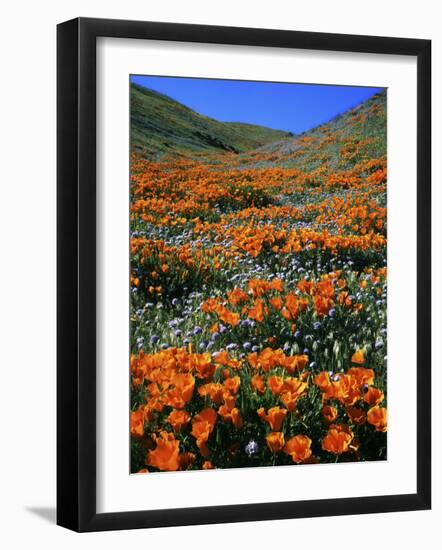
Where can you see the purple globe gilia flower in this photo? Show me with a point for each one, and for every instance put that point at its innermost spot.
(175, 302)
(255, 349)
(332, 312)
(197, 330)
(251, 448)
(317, 325)
(154, 339)
(247, 345)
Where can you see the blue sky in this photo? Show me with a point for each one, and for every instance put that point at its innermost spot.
(290, 107)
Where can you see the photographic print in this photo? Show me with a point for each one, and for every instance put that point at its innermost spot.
(258, 274)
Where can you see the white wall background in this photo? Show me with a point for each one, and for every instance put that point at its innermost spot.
(27, 274)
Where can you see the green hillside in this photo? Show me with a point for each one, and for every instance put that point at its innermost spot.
(160, 125)
(360, 132)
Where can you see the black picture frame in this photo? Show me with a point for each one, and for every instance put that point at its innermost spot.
(76, 274)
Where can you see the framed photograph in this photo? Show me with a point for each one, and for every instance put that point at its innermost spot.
(243, 274)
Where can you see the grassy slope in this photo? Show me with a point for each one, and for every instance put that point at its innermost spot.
(367, 122)
(161, 125)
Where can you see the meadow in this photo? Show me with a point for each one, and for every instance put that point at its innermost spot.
(258, 293)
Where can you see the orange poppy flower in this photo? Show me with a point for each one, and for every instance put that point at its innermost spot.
(303, 303)
(275, 441)
(257, 312)
(346, 390)
(223, 358)
(329, 414)
(202, 426)
(358, 357)
(212, 390)
(362, 375)
(258, 384)
(373, 396)
(293, 389)
(229, 412)
(274, 418)
(165, 456)
(182, 391)
(178, 419)
(207, 465)
(228, 316)
(294, 362)
(203, 365)
(298, 447)
(337, 440)
(292, 305)
(356, 415)
(276, 302)
(305, 286)
(275, 384)
(377, 417)
(137, 422)
(322, 304)
(277, 284)
(301, 361)
(237, 296)
(322, 380)
(232, 384)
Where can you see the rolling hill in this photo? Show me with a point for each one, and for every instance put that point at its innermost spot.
(362, 128)
(160, 125)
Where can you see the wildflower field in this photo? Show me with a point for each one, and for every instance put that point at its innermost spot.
(258, 292)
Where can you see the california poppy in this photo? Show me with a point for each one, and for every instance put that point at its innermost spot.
(166, 454)
(377, 417)
(274, 418)
(178, 419)
(298, 447)
(275, 441)
(337, 440)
